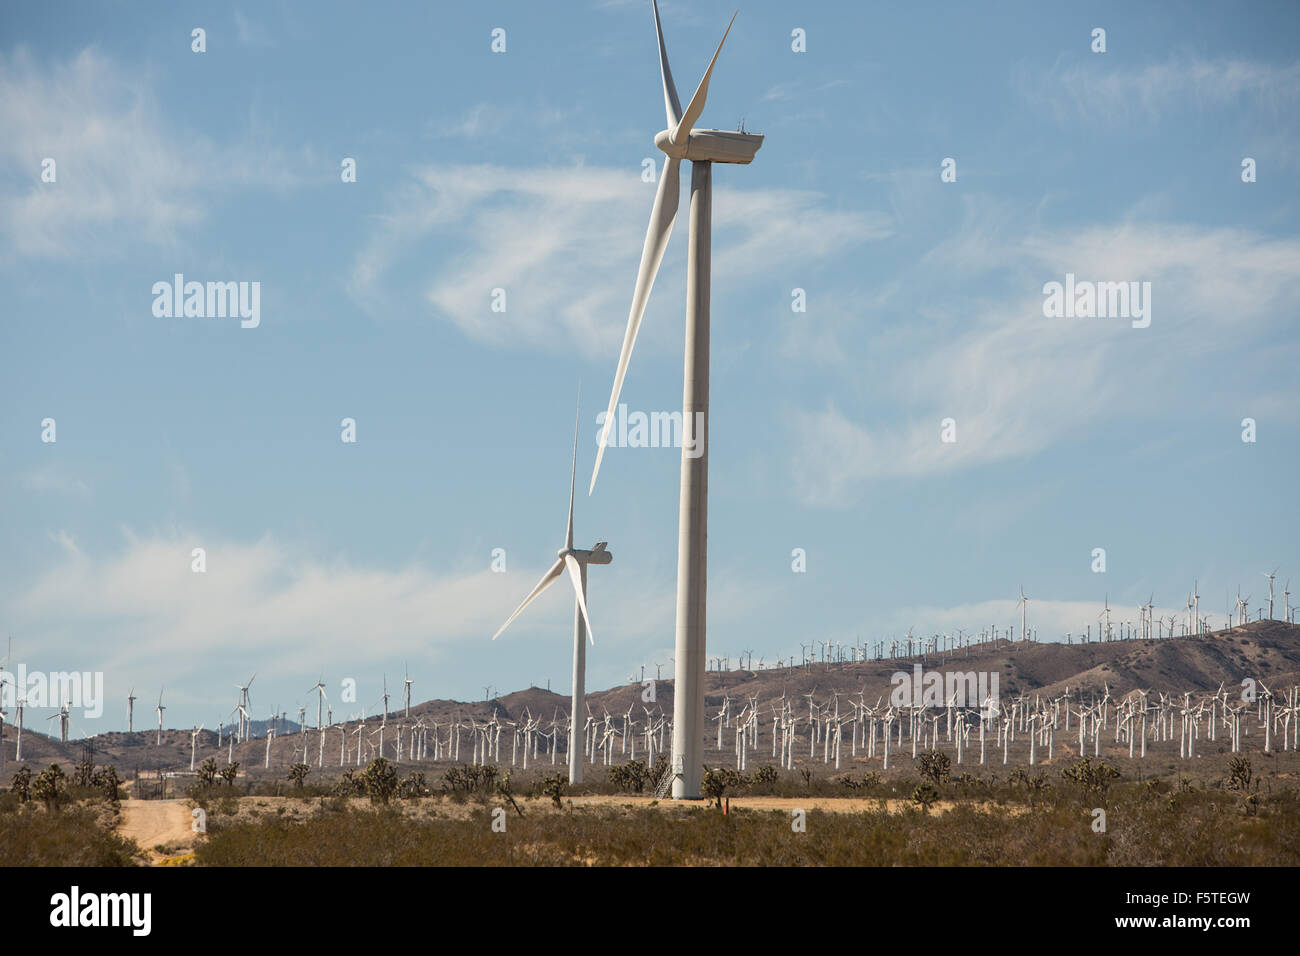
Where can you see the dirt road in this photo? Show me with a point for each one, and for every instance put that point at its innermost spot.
(155, 822)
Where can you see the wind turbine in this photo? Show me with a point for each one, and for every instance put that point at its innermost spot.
(194, 736)
(406, 691)
(130, 711)
(62, 718)
(1023, 604)
(244, 704)
(1270, 575)
(703, 147)
(575, 560)
(160, 710)
(320, 697)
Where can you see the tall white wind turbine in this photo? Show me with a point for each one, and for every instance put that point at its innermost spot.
(575, 561)
(703, 147)
(160, 710)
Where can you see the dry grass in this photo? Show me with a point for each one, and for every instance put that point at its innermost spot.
(1145, 826)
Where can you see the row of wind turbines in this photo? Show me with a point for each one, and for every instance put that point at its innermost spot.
(841, 727)
(1147, 627)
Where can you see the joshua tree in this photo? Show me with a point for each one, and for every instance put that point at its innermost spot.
(83, 774)
(414, 785)
(298, 773)
(22, 784)
(924, 796)
(1092, 775)
(208, 772)
(106, 779)
(380, 781)
(631, 776)
(1239, 773)
(503, 788)
(230, 772)
(715, 783)
(49, 786)
(557, 785)
(348, 785)
(934, 765)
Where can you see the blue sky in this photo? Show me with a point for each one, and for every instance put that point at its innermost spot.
(522, 170)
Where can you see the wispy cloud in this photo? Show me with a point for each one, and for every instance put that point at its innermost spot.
(1002, 378)
(54, 478)
(564, 245)
(1095, 88)
(120, 165)
(141, 610)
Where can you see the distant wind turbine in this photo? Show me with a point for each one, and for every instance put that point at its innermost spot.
(575, 561)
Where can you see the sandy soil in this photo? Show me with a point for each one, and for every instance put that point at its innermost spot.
(153, 823)
(784, 804)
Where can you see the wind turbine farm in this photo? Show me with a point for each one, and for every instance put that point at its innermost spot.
(294, 351)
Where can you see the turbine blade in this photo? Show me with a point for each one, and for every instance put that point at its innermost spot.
(573, 472)
(656, 241)
(672, 106)
(547, 579)
(696, 106)
(575, 575)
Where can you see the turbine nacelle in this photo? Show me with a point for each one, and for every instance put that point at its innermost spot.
(597, 555)
(712, 146)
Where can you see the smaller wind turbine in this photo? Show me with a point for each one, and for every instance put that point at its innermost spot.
(62, 718)
(1023, 604)
(160, 710)
(1270, 575)
(575, 561)
(319, 689)
(130, 711)
(194, 736)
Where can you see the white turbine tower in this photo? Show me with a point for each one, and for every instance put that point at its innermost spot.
(1023, 604)
(575, 560)
(160, 710)
(244, 704)
(194, 736)
(130, 711)
(1196, 608)
(1270, 575)
(703, 147)
(319, 690)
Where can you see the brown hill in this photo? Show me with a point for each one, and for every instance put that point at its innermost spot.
(1262, 650)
